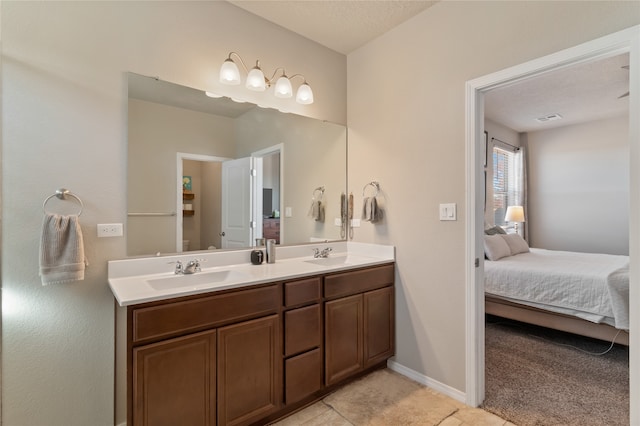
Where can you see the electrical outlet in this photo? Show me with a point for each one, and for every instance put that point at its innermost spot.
(109, 230)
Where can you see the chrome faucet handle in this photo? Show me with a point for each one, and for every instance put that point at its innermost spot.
(179, 267)
(326, 251)
(316, 252)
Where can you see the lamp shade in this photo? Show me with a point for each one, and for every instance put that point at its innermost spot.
(283, 88)
(229, 73)
(255, 80)
(514, 214)
(304, 95)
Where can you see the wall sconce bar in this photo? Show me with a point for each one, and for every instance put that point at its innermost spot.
(256, 80)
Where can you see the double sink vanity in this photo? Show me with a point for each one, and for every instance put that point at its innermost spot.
(241, 344)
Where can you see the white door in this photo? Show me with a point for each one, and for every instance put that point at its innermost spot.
(241, 202)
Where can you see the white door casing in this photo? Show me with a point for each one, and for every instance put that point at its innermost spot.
(620, 42)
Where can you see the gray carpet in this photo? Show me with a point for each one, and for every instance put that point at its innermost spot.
(532, 380)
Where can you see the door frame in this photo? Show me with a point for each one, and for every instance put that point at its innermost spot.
(180, 156)
(625, 41)
(279, 149)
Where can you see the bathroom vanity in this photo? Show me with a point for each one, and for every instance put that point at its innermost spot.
(260, 343)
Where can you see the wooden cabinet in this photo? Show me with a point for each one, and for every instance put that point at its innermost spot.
(271, 229)
(359, 328)
(302, 339)
(175, 381)
(343, 336)
(249, 377)
(250, 355)
(230, 374)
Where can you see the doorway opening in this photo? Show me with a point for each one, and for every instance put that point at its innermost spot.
(626, 41)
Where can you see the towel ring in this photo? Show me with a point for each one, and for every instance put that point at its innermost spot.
(375, 184)
(62, 194)
(321, 189)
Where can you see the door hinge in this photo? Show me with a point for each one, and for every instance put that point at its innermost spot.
(253, 172)
(477, 262)
(252, 224)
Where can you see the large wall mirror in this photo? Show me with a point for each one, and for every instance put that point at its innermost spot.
(210, 173)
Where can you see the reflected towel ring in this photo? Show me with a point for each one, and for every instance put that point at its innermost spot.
(62, 194)
(321, 189)
(375, 184)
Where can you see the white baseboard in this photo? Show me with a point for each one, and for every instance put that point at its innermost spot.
(122, 424)
(427, 381)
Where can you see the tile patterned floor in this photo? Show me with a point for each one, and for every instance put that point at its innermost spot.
(386, 398)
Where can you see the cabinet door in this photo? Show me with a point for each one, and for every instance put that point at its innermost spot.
(343, 338)
(249, 371)
(174, 381)
(378, 326)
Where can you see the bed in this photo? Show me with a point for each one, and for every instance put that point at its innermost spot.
(582, 293)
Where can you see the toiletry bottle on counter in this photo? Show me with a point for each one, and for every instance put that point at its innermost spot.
(271, 250)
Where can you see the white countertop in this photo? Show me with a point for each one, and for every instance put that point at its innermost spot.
(139, 280)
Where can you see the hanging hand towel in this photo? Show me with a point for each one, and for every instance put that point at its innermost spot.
(61, 250)
(371, 212)
(316, 211)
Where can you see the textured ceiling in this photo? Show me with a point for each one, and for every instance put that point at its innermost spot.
(342, 26)
(579, 93)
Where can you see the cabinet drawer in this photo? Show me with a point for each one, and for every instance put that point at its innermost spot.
(303, 375)
(176, 318)
(302, 329)
(348, 283)
(300, 292)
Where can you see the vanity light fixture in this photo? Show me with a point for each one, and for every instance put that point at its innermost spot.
(256, 80)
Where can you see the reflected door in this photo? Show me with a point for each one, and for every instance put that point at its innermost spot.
(241, 202)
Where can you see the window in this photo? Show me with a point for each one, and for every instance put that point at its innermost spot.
(505, 191)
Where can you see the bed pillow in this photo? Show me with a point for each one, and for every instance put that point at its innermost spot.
(494, 230)
(496, 247)
(516, 243)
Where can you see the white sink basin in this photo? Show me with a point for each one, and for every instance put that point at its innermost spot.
(193, 280)
(329, 261)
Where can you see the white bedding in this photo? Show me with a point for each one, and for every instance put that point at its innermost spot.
(591, 286)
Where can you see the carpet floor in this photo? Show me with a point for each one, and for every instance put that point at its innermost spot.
(533, 379)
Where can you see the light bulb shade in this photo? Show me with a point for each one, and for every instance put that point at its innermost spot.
(514, 214)
(283, 88)
(255, 80)
(229, 73)
(304, 95)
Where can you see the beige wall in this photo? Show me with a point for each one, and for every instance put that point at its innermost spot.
(579, 187)
(156, 133)
(64, 124)
(406, 124)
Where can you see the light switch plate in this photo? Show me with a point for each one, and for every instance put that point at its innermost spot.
(355, 223)
(337, 221)
(288, 212)
(448, 211)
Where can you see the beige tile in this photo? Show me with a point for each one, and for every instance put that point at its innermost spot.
(478, 417)
(451, 421)
(329, 418)
(305, 415)
(387, 398)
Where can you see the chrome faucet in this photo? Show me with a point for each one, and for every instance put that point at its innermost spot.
(321, 253)
(191, 267)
